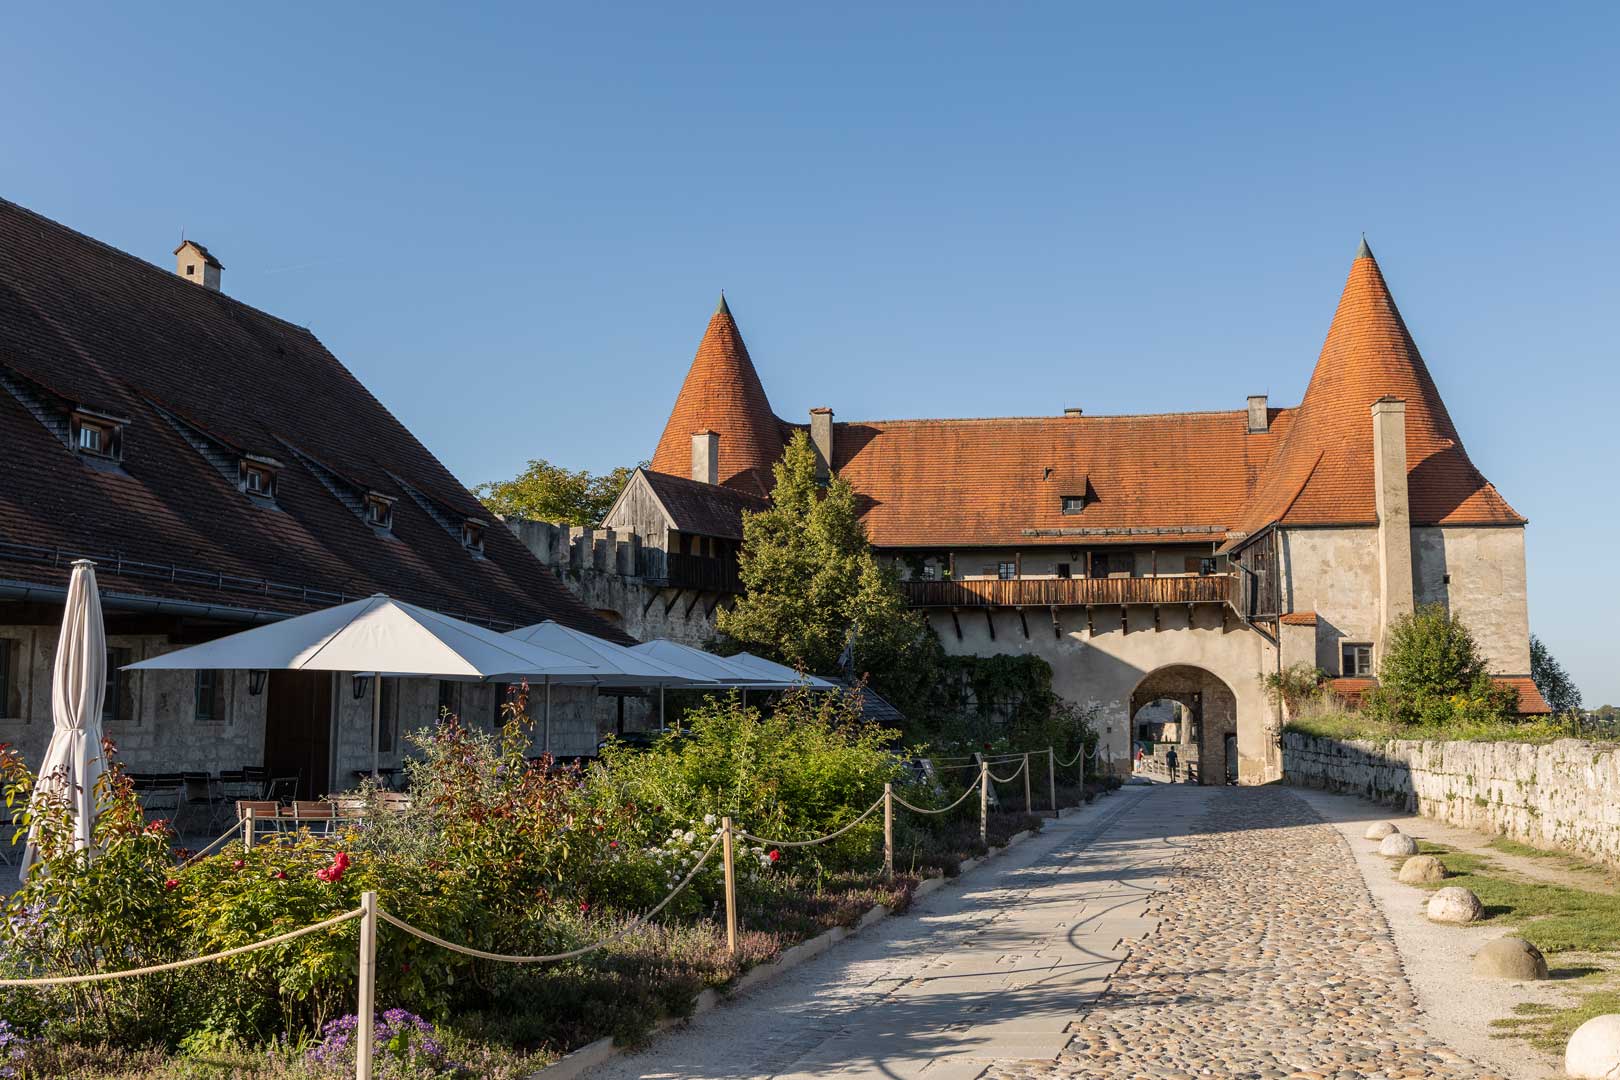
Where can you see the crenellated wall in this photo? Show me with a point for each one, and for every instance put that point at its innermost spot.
(1563, 795)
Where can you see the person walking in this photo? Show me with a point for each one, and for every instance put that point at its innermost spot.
(1173, 760)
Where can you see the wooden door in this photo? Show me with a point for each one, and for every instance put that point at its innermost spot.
(298, 729)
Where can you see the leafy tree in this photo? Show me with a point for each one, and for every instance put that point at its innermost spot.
(1551, 678)
(547, 492)
(814, 587)
(1433, 673)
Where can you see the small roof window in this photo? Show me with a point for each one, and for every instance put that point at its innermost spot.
(379, 510)
(1073, 504)
(472, 536)
(256, 477)
(97, 436)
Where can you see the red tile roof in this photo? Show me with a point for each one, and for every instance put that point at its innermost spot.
(722, 393)
(1323, 471)
(1531, 703)
(1299, 618)
(200, 378)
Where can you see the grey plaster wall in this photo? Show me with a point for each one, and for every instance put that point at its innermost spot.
(1563, 795)
(1487, 587)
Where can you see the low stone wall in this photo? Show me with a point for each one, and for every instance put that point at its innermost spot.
(1563, 795)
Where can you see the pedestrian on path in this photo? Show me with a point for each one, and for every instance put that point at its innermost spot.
(1173, 760)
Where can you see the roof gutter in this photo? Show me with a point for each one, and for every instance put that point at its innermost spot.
(57, 594)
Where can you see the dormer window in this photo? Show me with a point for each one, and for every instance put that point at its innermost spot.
(256, 477)
(472, 536)
(97, 436)
(1073, 504)
(379, 510)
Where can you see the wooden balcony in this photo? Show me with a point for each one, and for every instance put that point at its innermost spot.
(1068, 592)
(701, 573)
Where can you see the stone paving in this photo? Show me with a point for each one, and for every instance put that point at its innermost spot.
(1169, 932)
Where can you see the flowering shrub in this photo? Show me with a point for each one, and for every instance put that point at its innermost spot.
(403, 1045)
(13, 1048)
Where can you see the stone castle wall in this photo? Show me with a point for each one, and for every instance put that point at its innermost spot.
(1563, 795)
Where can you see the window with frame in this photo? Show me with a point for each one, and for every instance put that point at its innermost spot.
(1007, 571)
(449, 698)
(257, 479)
(1064, 570)
(1073, 504)
(472, 536)
(379, 511)
(388, 722)
(117, 702)
(10, 679)
(930, 571)
(1356, 659)
(96, 437)
(208, 702)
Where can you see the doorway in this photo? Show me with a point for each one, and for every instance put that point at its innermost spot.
(298, 729)
(1231, 758)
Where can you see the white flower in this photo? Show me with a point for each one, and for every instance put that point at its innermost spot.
(690, 836)
(708, 819)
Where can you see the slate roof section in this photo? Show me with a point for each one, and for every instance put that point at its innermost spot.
(1183, 477)
(99, 327)
(722, 393)
(1323, 473)
(703, 509)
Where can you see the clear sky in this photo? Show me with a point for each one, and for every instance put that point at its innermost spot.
(512, 223)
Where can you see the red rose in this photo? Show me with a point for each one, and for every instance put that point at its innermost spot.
(583, 907)
(238, 864)
(171, 883)
(280, 875)
(773, 855)
(613, 843)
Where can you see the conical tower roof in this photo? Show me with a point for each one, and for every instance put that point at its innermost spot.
(1322, 473)
(722, 393)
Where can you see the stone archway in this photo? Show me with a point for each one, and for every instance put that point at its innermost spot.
(1212, 706)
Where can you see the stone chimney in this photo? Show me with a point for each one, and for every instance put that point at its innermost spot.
(706, 456)
(1259, 421)
(1394, 515)
(193, 262)
(821, 437)
(1073, 411)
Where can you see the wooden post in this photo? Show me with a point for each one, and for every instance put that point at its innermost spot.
(247, 828)
(888, 832)
(1051, 777)
(731, 886)
(366, 1012)
(1029, 803)
(984, 803)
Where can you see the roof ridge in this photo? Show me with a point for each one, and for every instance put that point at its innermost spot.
(1059, 419)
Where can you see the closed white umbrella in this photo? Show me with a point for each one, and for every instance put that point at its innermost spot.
(718, 668)
(73, 760)
(624, 666)
(770, 669)
(378, 635)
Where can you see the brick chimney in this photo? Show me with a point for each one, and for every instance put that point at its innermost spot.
(821, 437)
(1259, 420)
(1394, 515)
(706, 456)
(193, 262)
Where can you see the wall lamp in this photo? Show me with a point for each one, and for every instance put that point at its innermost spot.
(360, 684)
(256, 681)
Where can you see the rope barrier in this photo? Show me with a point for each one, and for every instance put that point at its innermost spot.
(107, 976)
(1071, 762)
(817, 840)
(235, 831)
(1016, 774)
(919, 810)
(504, 958)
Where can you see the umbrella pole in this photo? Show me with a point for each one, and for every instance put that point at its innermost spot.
(661, 707)
(376, 725)
(546, 744)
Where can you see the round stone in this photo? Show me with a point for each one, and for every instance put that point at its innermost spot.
(1380, 829)
(1422, 870)
(1593, 1052)
(1510, 958)
(1397, 845)
(1454, 904)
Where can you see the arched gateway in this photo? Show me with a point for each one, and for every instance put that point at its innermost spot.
(1207, 737)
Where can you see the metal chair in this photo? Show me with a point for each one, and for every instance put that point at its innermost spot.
(160, 798)
(283, 789)
(259, 777)
(197, 789)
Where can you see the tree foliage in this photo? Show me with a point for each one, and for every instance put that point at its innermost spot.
(1551, 678)
(814, 586)
(1433, 673)
(547, 492)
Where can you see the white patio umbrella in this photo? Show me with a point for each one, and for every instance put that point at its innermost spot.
(73, 760)
(772, 670)
(378, 636)
(624, 666)
(724, 670)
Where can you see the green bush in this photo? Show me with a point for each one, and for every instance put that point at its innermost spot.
(1432, 674)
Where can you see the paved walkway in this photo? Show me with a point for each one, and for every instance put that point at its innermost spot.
(1169, 931)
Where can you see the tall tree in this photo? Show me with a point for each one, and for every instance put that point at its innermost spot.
(547, 492)
(1551, 678)
(815, 588)
(1433, 672)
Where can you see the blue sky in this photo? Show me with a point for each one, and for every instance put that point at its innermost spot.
(512, 223)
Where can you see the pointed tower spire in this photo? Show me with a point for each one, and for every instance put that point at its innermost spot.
(722, 393)
(1322, 472)
(1362, 252)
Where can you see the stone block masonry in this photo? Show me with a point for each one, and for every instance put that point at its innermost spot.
(1563, 795)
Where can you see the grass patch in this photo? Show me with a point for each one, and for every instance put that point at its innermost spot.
(1344, 724)
(1548, 1027)
(1514, 847)
(1553, 918)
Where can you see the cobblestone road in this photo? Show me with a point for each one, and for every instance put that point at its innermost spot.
(1170, 932)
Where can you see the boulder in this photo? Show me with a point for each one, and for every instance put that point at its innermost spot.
(1422, 870)
(1593, 1052)
(1510, 958)
(1380, 829)
(1454, 904)
(1397, 845)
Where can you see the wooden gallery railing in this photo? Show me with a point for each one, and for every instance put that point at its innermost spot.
(1068, 592)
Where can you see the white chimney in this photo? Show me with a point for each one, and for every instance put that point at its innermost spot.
(706, 456)
(1394, 514)
(1259, 420)
(1073, 411)
(821, 437)
(193, 262)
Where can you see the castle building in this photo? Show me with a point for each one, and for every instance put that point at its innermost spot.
(1162, 558)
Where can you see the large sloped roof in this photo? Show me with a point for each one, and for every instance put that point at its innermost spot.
(202, 378)
(703, 509)
(1323, 471)
(722, 393)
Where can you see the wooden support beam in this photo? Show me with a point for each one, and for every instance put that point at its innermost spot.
(651, 600)
(956, 623)
(1190, 623)
(1024, 623)
(990, 621)
(1091, 625)
(1156, 626)
(709, 611)
(673, 598)
(1124, 619)
(1057, 626)
(697, 595)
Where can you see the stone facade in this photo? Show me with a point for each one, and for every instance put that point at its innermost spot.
(1563, 795)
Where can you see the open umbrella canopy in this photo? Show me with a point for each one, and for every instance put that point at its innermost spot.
(619, 666)
(377, 635)
(720, 669)
(770, 669)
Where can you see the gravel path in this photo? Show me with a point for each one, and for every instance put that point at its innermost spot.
(1167, 932)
